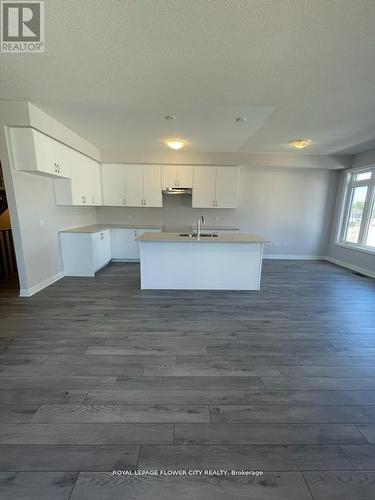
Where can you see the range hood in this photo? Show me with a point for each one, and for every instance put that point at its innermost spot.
(177, 191)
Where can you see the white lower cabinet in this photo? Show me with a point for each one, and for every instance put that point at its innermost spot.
(101, 249)
(85, 253)
(124, 242)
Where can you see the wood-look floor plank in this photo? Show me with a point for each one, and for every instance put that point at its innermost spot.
(261, 433)
(285, 457)
(67, 458)
(314, 397)
(106, 413)
(188, 382)
(160, 396)
(86, 434)
(36, 485)
(292, 413)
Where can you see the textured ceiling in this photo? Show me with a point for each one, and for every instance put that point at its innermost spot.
(112, 69)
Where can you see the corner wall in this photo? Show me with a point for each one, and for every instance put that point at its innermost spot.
(34, 216)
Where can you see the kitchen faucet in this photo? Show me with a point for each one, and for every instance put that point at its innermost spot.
(201, 220)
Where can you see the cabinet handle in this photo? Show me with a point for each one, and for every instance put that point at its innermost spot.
(101, 236)
(83, 199)
(124, 201)
(93, 200)
(144, 202)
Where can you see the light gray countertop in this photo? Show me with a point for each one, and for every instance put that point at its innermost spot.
(96, 228)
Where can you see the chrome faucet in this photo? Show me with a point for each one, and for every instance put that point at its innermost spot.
(201, 220)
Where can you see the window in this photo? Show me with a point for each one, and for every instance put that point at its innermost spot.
(358, 222)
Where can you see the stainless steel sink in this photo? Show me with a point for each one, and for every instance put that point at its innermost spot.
(193, 235)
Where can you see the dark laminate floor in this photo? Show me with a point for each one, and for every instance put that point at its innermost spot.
(96, 375)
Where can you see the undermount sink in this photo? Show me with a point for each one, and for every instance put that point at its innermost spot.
(194, 235)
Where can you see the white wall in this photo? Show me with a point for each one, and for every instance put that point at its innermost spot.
(353, 259)
(291, 206)
(35, 218)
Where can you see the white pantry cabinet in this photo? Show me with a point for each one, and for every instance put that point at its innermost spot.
(85, 253)
(177, 176)
(83, 188)
(216, 187)
(124, 242)
(38, 153)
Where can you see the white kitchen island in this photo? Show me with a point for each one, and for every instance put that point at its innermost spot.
(224, 262)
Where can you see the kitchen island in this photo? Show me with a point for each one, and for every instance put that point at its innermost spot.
(211, 262)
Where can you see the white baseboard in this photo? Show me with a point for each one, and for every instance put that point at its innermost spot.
(28, 292)
(357, 269)
(293, 257)
(124, 260)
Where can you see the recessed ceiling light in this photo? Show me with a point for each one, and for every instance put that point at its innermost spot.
(300, 143)
(175, 143)
(241, 119)
(169, 117)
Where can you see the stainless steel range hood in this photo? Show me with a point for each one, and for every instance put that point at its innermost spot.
(177, 191)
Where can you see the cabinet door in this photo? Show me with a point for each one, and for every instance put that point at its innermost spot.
(101, 249)
(80, 189)
(96, 190)
(36, 152)
(227, 180)
(61, 159)
(134, 185)
(152, 194)
(113, 184)
(169, 176)
(204, 189)
(124, 244)
(185, 176)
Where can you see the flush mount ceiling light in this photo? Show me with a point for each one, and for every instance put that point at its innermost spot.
(241, 119)
(169, 117)
(300, 143)
(175, 143)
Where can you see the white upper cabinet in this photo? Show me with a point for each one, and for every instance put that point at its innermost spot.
(204, 190)
(169, 176)
(152, 195)
(134, 185)
(216, 187)
(143, 186)
(94, 186)
(227, 184)
(113, 184)
(83, 188)
(39, 153)
(177, 176)
(185, 176)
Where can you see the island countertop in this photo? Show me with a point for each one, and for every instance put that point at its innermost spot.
(220, 238)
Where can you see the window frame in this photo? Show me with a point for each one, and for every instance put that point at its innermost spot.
(350, 185)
